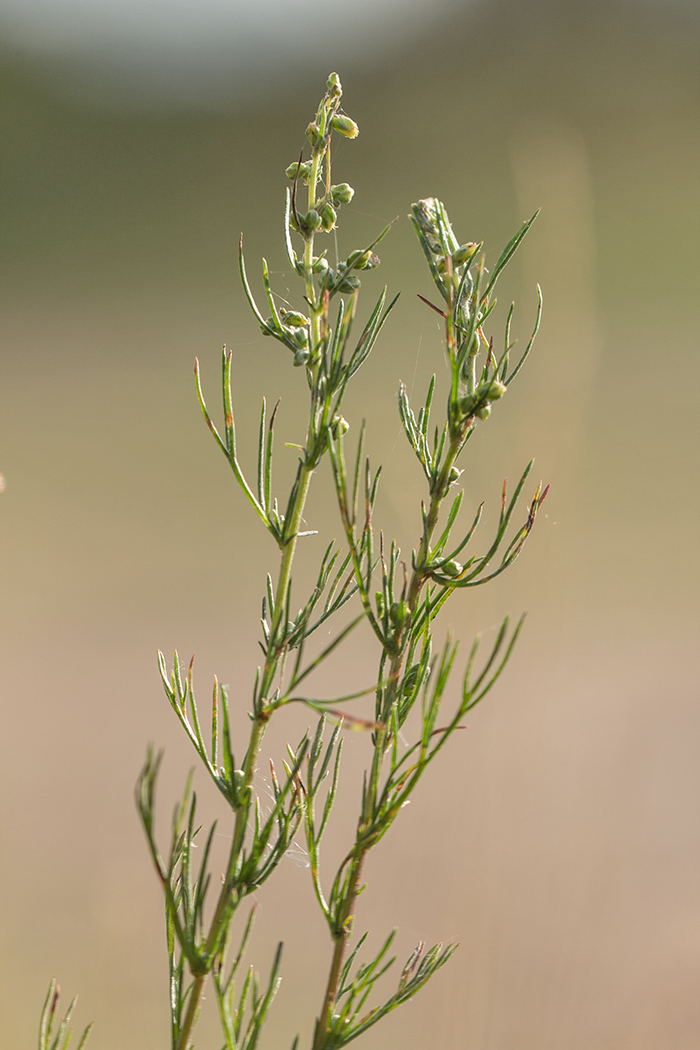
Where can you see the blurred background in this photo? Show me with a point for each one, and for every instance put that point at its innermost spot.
(558, 841)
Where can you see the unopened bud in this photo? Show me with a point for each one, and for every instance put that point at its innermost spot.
(453, 568)
(464, 253)
(490, 390)
(319, 264)
(313, 134)
(344, 126)
(342, 193)
(484, 412)
(397, 613)
(367, 261)
(334, 86)
(349, 284)
(269, 324)
(301, 357)
(312, 220)
(454, 475)
(304, 170)
(300, 337)
(467, 404)
(294, 319)
(328, 217)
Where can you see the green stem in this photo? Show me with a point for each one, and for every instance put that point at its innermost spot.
(417, 580)
(223, 913)
(341, 939)
(291, 528)
(191, 1015)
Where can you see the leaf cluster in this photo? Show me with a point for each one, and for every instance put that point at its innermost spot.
(60, 1037)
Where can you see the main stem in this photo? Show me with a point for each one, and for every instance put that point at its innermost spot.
(223, 910)
(344, 930)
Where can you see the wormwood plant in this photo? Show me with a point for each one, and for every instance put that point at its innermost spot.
(364, 579)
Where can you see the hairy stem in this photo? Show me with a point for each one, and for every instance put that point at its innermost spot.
(192, 1011)
(341, 938)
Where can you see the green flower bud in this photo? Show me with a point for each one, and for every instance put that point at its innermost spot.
(294, 319)
(352, 259)
(467, 404)
(397, 613)
(327, 279)
(271, 324)
(453, 568)
(304, 170)
(313, 134)
(328, 217)
(319, 264)
(484, 412)
(490, 390)
(301, 357)
(497, 390)
(367, 261)
(342, 193)
(454, 475)
(349, 284)
(344, 126)
(379, 598)
(312, 220)
(334, 86)
(464, 253)
(300, 337)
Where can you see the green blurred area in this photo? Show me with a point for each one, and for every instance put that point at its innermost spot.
(562, 849)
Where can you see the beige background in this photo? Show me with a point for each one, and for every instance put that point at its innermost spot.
(558, 840)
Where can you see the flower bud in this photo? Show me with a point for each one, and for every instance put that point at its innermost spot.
(467, 404)
(328, 217)
(294, 319)
(334, 86)
(490, 390)
(304, 170)
(344, 126)
(312, 220)
(319, 264)
(301, 357)
(453, 568)
(270, 322)
(342, 193)
(299, 337)
(454, 475)
(367, 261)
(464, 253)
(484, 412)
(313, 134)
(397, 613)
(349, 284)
